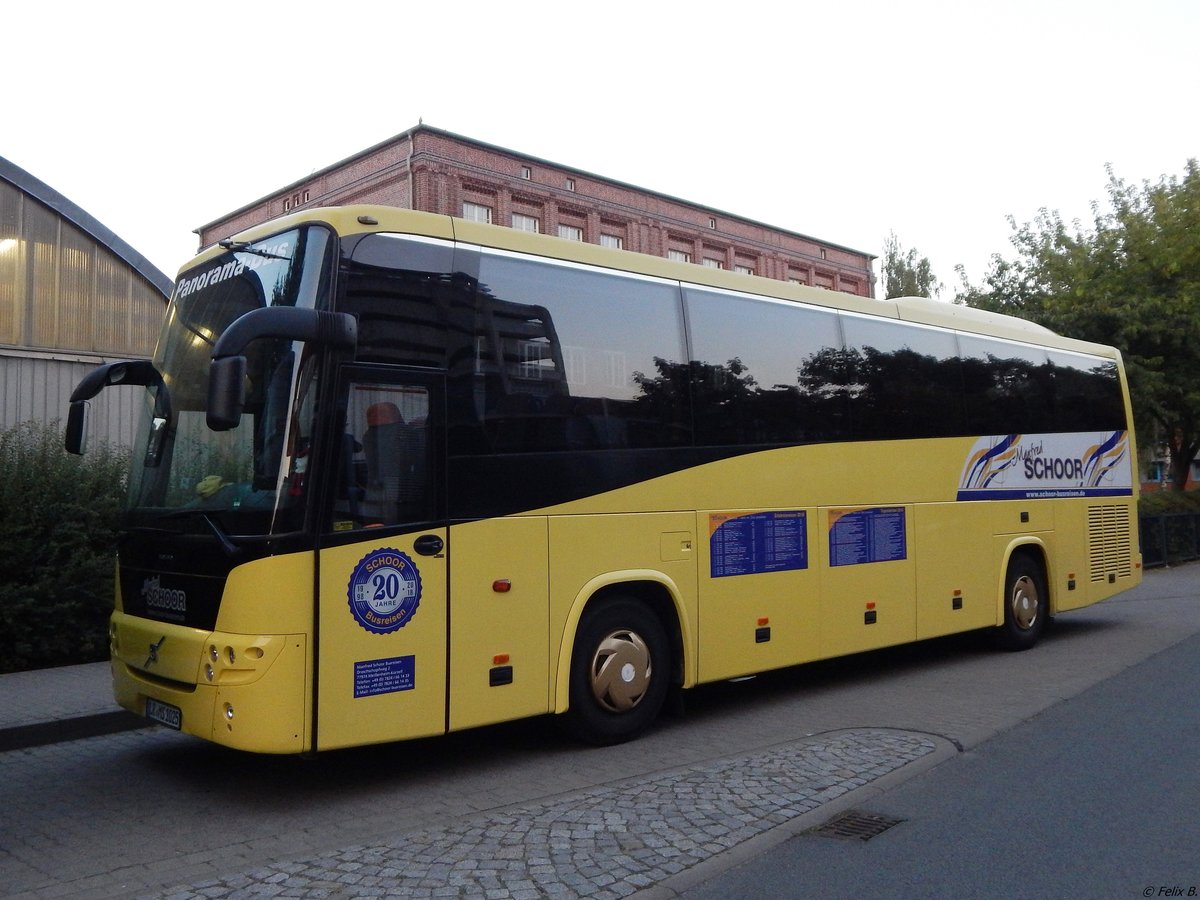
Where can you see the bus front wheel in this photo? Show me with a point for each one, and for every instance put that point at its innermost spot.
(1026, 603)
(620, 670)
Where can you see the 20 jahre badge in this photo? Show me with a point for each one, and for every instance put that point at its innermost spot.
(385, 589)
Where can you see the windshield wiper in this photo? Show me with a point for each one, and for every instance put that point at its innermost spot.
(247, 247)
(231, 550)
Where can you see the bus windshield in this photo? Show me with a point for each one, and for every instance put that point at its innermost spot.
(249, 480)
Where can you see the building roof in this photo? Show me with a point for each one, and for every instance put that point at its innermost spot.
(47, 196)
(428, 129)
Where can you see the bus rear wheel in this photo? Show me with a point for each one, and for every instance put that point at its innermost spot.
(620, 670)
(1026, 603)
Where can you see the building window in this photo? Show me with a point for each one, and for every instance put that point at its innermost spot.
(713, 263)
(612, 240)
(295, 200)
(526, 173)
(525, 223)
(823, 256)
(477, 212)
(745, 270)
(679, 256)
(570, 184)
(712, 223)
(570, 232)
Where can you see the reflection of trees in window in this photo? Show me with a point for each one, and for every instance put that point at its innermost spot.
(871, 394)
(1087, 395)
(895, 394)
(1008, 395)
(720, 397)
(731, 407)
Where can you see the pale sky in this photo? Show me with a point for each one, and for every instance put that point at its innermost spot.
(935, 120)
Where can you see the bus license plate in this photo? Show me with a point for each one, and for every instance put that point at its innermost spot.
(164, 714)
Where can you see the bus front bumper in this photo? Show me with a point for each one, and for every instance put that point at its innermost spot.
(242, 691)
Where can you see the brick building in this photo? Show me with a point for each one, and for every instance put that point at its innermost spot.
(435, 171)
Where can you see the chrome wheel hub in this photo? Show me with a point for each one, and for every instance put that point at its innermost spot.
(1024, 603)
(620, 671)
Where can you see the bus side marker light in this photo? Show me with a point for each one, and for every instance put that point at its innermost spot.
(500, 659)
(869, 617)
(1071, 581)
(957, 601)
(501, 585)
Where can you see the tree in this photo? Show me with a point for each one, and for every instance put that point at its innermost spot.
(1131, 279)
(905, 274)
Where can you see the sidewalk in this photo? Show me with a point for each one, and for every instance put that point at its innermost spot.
(45, 706)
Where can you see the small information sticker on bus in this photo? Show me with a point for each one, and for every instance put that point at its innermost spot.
(164, 714)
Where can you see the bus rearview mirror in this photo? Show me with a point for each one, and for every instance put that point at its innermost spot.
(76, 438)
(226, 392)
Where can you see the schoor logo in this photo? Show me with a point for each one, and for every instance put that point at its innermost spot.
(163, 599)
(1054, 467)
(1078, 464)
(1039, 465)
(384, 590)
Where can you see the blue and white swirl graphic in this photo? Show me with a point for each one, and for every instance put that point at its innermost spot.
(1033, 466)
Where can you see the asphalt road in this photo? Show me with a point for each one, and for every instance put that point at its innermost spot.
(1098, 796)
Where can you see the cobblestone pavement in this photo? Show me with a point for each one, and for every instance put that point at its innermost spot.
(604, 842)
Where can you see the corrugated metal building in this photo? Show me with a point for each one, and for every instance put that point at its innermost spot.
(72, 295)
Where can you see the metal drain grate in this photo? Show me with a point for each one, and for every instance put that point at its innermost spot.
(856, 825)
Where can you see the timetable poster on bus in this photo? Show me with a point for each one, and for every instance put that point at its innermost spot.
(858, 536)
(750, 543)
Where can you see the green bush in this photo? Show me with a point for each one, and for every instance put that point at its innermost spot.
(1168, 501)
(58, 521)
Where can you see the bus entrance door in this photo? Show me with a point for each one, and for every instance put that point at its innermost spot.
(381, 629)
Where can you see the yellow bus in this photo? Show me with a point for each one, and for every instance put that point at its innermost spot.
(401, 474)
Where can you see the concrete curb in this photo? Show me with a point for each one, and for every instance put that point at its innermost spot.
(21, 737)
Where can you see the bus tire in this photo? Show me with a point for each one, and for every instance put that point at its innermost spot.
(620, 670)
(1026, 603)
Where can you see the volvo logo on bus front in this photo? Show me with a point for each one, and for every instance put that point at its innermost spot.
(153, 655)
